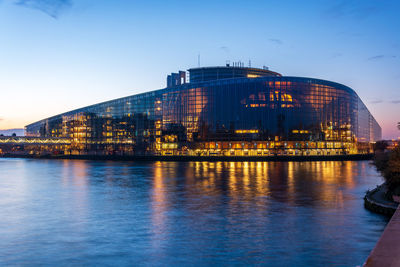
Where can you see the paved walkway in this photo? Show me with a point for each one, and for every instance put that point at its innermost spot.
(387, 251)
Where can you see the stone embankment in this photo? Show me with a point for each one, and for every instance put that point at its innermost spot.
(376, 201)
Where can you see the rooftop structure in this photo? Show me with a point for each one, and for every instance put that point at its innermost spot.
(228, 72)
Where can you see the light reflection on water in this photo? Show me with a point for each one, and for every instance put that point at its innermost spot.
(176, 213)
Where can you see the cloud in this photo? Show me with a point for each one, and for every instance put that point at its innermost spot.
(336, 55)
(378, 101)
(378, 57)
(351, 8)
(335, 11)
(225, 49)
(52, 8)
(276, 41)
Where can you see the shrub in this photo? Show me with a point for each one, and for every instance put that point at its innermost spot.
(391, 171)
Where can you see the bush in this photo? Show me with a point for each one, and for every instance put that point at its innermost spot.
(388, 164)
(381, 160)
(391, 172)
(380, 146)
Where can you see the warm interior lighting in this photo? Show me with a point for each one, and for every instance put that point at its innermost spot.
(300, 131)
(246, 131)
(274, 96)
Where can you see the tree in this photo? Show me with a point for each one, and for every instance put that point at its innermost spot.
(14, 134)
(398, 125)
(392, 171)
(380, 145)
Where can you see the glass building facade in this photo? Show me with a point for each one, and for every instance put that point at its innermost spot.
(255, 113)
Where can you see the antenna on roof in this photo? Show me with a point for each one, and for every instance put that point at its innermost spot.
(249, 63)
(198, 60)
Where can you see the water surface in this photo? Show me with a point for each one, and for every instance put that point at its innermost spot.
(66, 212)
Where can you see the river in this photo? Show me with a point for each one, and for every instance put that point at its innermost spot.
(76, 212)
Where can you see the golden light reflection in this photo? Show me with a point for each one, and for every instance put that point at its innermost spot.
(232, 177)
(291, 179)
(158, 204)
(75, 174)
(80, 173)
(244, 187)
(246, 176)
(278, 180)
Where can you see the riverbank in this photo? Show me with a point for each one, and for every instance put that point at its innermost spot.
(376, 201)
(387, 250)
(198, 158)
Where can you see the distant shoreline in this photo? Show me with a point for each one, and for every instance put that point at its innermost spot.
(9, 132)
(354, 157)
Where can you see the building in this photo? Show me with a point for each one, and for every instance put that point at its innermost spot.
(227, 111)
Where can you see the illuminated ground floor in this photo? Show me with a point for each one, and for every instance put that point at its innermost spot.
(207, 149)
(268, 148)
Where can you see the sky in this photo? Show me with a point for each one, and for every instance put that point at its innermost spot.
(58, 55)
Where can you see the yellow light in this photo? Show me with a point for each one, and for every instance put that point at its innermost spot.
(245, 131)
(252, 75)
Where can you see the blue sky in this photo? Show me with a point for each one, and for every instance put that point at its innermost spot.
(60, 55)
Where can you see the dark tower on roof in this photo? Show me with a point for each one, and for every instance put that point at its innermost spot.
(176, 78)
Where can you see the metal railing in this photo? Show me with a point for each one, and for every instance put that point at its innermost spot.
(25, 140)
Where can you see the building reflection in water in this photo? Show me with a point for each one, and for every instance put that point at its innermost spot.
(75, 175)
(297, 183)
(188, 199)
(159, 205)
(199, 200)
